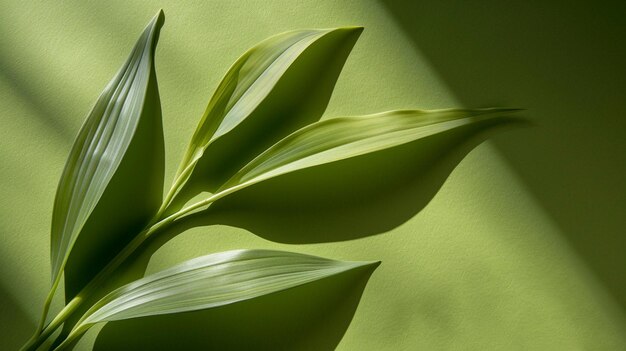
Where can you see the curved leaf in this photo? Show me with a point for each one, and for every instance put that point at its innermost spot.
(211, 281)
(341, 138)
(102, 144)
(356, 197)
(276, 87)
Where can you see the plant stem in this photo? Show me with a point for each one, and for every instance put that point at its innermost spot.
(168, 198)
(155, 225)
(209, 200)
(178, 182)
(37, 340)
(46, 309)
(43, 333)
(70, 338)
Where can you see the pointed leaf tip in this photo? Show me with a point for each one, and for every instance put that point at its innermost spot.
(215, 280)
(294, 73)
(341, 138)
(101, 145)
(159, 19)
(356, 29)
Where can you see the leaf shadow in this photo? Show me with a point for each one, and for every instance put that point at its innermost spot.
(299, 98)
(44, 112)
(360, 197)
(129, 201)
(523, 53)
(313, 316)
(350, 199)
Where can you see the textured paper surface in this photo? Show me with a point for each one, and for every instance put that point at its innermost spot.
(486, 265)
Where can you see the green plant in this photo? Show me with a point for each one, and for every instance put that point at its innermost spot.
(259, 124)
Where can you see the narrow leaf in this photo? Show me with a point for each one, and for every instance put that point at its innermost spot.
(303, 65)
(341, 138)
(212, 281)
(101, 146)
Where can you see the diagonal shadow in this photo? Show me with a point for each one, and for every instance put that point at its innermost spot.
(298, 98)
(349, 199)
(559, 60)
(44, 112)
(314, 316)
(352, 203)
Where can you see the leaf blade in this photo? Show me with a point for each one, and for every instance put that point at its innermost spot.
(212, 281)
(340, 138)
(100, 146)
(251, 81)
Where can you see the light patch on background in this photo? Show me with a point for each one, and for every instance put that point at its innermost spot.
(482, 266)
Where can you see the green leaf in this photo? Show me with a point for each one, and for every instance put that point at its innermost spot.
(276, 87)
(211, 281)
(341, 138)
(356, 197)
(111, 128)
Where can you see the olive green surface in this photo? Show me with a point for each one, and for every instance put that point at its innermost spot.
(522, 248)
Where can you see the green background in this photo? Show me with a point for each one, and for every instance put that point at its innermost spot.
(522, 247)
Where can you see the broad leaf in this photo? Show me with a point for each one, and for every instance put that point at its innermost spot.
(212, 281)
(355, 197)
(114, 126)
(341, 138)
(276, 87)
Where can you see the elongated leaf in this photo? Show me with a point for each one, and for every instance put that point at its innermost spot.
(212, 281)
(102, 144)
(276, 87)
(355, 197)
(340, 138)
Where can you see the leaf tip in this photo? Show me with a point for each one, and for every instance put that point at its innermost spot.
(160, 16)
(512, 109)
(509, 110)
(357, 30)
(158, 19)
(346, 31)
(372, 265)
